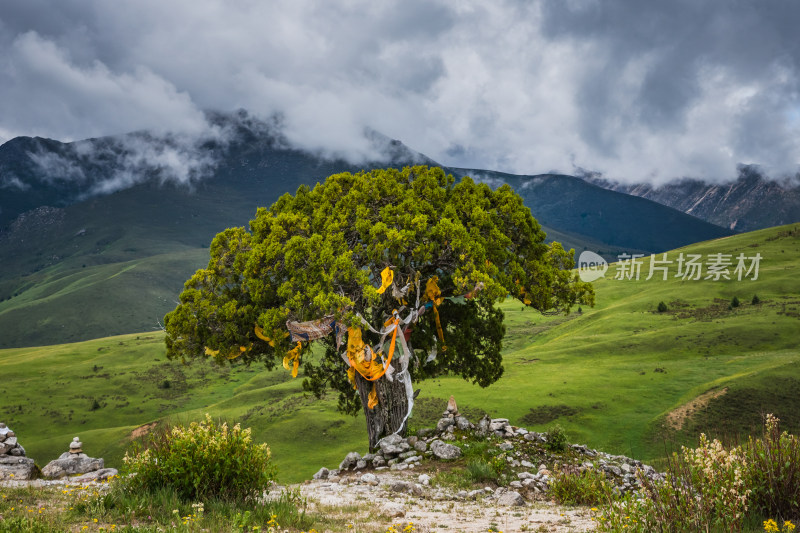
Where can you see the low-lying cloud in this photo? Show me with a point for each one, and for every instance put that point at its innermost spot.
(635, 92)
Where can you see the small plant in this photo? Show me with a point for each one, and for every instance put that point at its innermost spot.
(589, 487)
(662, 307)
(481, 471)
(735, 302)
(95, 405)
(556, 439)
(203, 460)
(773, 471)
(756, 300)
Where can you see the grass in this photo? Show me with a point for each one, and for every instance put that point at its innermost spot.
(609, 375)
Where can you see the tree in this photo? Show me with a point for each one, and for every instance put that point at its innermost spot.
(400, 270)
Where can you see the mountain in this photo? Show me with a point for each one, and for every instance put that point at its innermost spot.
(620, 221)
(750, 202)
(99, 235)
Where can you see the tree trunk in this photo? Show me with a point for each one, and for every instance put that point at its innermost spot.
(385, 418)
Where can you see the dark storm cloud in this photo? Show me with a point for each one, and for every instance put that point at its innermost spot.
(630, 89)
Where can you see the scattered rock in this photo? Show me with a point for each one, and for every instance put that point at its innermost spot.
(511, 498)
(445, 451)
(350, 460)
(98, 475)
(13, 463)
(322, 473)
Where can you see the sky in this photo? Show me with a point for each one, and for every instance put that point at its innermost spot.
(636, 91)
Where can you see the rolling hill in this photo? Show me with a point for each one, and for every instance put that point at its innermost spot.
(620, 376)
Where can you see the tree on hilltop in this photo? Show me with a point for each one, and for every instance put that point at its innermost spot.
(396, 272)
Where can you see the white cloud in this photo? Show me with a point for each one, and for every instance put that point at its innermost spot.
(636, 92)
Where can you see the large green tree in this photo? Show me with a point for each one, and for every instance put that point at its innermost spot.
(408, 259)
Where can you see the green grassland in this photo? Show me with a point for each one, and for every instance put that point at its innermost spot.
(609, 375)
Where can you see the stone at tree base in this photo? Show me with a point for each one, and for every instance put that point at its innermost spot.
(350, 460)
(322, 473)
(445, 451)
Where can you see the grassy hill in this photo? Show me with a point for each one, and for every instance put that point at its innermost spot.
(618, 376)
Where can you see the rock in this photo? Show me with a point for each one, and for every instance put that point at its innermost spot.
(393, 510)
(379, 461)
(406, 455)
(526, 464)
(369, 479)
(475, 493)
(412, 460)
(452, 408)
(421, 446)
(412, 440)
(525, 475)
(369, 457)
(334, 479)
(445, 451)
(361, 464)
(498, 424)
(506, 446)
(322, 473)
(350, 460)
(515, 484)
(69, 464)
(424, 479)
(75, 446)
(19, 468)
(463, 424)
(98, 475)
(511, 498)
(425, 432)
(444, 424)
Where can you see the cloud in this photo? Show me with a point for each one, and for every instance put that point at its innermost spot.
(636, 92)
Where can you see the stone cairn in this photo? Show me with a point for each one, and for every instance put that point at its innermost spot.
(517, 446)
(13, 463)
(75, 462)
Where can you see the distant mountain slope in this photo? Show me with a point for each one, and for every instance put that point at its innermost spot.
(97, 239)
(747, 204)
(621, 221)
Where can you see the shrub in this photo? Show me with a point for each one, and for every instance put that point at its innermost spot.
(735, 302)
(203, 460)
(756, 300)
(704, 490)
(481, 471)
(773, 472)
(589, 487)
(662, 307)
(556, 439)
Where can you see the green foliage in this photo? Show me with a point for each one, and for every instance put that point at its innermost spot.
(662, 307)
(773, 472)
(735, 302)
(587, 487)
(320, 253)
(756, 300)
(482, 471)
(201, 460)
(556, 439)
(711, 488)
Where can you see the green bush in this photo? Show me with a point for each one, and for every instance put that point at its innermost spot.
(711, 488)
(662, 307)
(589, 487)
(202, 460)
(773, 472)
(481, 471)
(735, 302)
(556, 439)
(756, 300)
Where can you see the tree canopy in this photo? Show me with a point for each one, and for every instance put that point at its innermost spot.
(360, 249)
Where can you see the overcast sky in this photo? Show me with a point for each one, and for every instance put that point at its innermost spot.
(676, 88)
